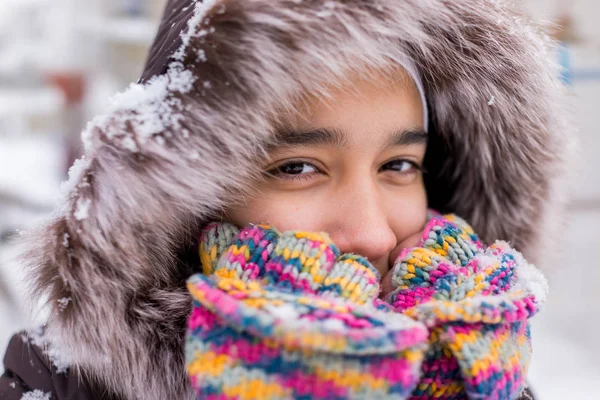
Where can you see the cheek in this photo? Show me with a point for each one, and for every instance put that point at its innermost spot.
(280, 210)
(407, 213)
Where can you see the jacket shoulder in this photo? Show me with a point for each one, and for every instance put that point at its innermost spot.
(28, 369)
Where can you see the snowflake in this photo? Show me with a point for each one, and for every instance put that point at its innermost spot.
(63, 303)
(36, 395)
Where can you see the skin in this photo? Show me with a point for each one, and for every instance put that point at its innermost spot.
(365, 190)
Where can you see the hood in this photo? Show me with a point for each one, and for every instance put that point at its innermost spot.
(182, 142)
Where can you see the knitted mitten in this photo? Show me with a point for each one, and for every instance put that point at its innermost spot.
(279, 316)
(476, 302)
(288, 316)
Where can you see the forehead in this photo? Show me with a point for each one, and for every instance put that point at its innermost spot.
(365, 107)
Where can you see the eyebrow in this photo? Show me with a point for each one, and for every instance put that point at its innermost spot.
(313, 138)
(334, 137)
(408, 137)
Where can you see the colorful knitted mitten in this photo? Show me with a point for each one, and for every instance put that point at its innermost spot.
(476, 302)
(280, 316)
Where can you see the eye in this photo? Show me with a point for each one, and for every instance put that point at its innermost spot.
(401, 166)
(294, 170)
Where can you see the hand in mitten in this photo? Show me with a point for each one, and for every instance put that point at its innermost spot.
(476, 301)
(287, 316)
(299, 262)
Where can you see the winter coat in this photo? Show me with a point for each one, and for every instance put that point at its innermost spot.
(113, 259)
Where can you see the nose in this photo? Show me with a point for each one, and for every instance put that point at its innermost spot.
(359, 224)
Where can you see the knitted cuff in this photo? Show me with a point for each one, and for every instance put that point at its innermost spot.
(286, 316)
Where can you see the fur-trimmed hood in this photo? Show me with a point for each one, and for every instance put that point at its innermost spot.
(171, 150)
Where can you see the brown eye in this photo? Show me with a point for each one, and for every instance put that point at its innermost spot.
(401, 166)
(294, 170)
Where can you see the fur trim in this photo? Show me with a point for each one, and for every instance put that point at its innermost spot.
(155, 170)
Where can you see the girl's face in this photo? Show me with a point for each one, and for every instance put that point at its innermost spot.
(349, 166)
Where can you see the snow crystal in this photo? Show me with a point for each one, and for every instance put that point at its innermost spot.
(13, 385)
(66, 238)
(36, 395)
(57, 356)
(202, 56)
(492, 101)
(63, 303)
(529, 278)
(207, 84)
(76, 172)
(59, 359)
(129, 99)
(130, 144)
(485, 260)
(200, 11)
(83, 208)
(180, 80)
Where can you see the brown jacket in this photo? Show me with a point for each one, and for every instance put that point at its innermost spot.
(27, 368)
(114, 257)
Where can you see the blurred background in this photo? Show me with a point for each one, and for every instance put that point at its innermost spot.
(61, 60)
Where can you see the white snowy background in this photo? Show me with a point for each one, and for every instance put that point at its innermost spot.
(107, 41)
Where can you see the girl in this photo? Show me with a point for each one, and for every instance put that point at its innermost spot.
(346, 117)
